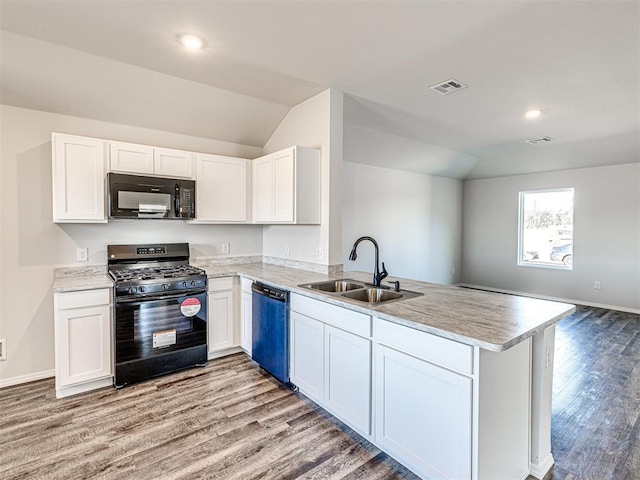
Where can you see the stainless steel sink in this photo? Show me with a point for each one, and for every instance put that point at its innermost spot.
(359, 291)
(379, 295)
(334, 286)
(373, 295)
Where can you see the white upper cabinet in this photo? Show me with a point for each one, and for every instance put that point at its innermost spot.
(286, 187)
(221, 189)
(173, 163)
(131, 158)
(78, 172)
(148, 160)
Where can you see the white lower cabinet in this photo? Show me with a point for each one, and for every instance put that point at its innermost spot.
(423, 415)
(82, 341)
(331, 365)
(220, 316)
(444, 409)
(307, 355)
(347, 389)
(449, 410)
(246, 314)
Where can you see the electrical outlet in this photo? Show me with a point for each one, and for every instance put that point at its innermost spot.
(453, 270)
(596, 285)
(320, 253)
(226, 247)
(287, 250)
(3, 348)
(82, 254)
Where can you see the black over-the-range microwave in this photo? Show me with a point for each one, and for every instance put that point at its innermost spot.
(135, 196)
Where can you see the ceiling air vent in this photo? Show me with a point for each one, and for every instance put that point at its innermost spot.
(535, 141)
(448, 87)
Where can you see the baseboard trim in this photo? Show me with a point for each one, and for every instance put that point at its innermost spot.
(540, 470)
(84, 387)
(546, 297)
(224, 353)
(32, 377)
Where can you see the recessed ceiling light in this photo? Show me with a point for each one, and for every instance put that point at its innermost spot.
(535, 113)
(191, 41)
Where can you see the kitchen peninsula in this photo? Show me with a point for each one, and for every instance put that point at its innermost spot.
(455, 383)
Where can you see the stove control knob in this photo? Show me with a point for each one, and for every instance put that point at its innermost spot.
(184, 284)
(165, 286)
(131, 290)
(193, 283)
(141, 289)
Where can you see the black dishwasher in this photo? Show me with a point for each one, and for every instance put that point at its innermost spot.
(270, 330)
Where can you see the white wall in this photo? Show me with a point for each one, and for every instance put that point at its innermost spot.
(606, 235)
(32, 245)
(415, 218)
(315, 123)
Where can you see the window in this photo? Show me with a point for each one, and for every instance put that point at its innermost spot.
(546, 229)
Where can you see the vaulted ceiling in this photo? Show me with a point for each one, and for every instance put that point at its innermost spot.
(577, 61)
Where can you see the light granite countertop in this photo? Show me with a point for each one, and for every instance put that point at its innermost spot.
(492, 321)
(488, 320)
(74, 279)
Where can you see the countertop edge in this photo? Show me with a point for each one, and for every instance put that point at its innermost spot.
(494, 347)
(91, 282)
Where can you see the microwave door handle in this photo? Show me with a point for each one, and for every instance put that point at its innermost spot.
(176, 201)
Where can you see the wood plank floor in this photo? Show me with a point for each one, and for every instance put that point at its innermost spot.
(596, 397)
(229, 420)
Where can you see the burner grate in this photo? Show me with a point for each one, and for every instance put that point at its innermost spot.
(153, 273)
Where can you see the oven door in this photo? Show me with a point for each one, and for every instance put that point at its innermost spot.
(159, 325)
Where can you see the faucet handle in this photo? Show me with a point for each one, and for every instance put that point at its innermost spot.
(383, 273)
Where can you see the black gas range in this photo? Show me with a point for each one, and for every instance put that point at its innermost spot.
(160, 318)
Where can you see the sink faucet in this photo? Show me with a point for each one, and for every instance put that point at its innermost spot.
(377, 274)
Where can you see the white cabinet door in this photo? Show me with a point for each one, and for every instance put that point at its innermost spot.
(79, 170)
(284, 186)
(423, 415)
(220, 321)
(131, 158)
(348, 377)
(172, 163)
(263, 189)
(247, 322)
(83, 344)
(221, 189)
(307, 355)
(148, 160)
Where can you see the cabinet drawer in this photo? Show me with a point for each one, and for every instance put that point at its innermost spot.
(355, 322)
(85, 298)
(440, 351)
(220, 284)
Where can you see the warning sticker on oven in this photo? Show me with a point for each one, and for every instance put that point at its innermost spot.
(164, 338)
(190, 306)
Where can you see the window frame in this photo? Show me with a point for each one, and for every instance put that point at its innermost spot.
(521, 220)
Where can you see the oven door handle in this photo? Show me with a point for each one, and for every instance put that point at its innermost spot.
(153, 298)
